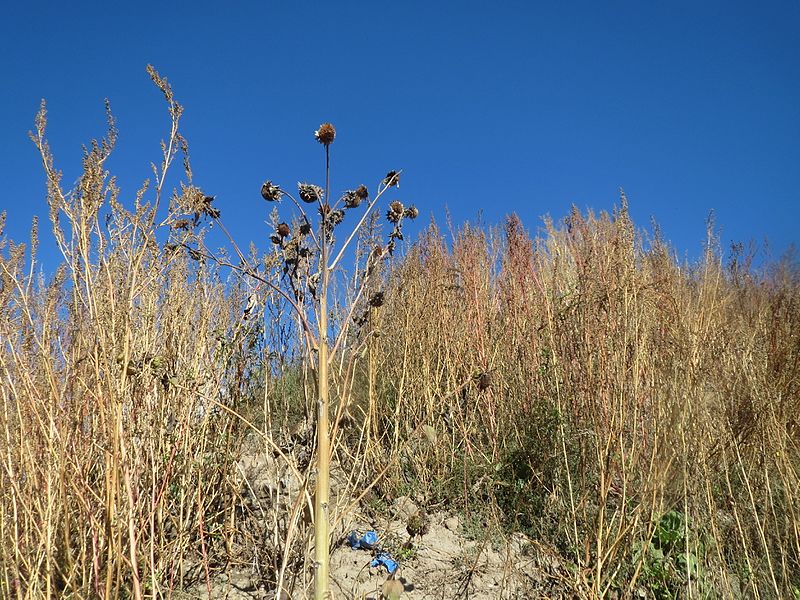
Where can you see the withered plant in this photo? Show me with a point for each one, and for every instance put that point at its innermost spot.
(307, 257)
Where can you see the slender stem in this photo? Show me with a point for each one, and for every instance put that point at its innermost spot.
(251, 272)
(357, 227)
(321, 516)
(303, 214)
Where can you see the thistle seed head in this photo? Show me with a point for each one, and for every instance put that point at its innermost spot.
(351, 199)
(325, 134)
(412, 212)
(484, 381)
(270, 192)
(336, 217)
(392, 179)
(395, 212)
(376, 300)
(209, 210)
(310, 193)
(283, 230)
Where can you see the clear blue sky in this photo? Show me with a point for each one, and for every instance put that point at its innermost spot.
(493, 107)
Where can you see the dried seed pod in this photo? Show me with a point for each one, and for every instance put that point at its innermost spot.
(376, 299)
(418, 523)
(305, 229)
(270, 192)
(209, 210)
(351, 199)
(395, 212)
(276, 239)
(392, 179)
(325, 134)
(283, 230)
(336, 217)
(182, 224)
(362, 192)
(484, 381)
(412, 212)
(310, 193)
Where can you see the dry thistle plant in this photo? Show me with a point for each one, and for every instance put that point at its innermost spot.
(307, 255)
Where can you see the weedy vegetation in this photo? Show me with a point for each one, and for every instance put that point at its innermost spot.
(637, 414)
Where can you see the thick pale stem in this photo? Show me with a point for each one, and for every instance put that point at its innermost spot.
(321, 516)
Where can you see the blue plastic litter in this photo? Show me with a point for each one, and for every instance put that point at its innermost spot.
(385, 559)
(366, 541)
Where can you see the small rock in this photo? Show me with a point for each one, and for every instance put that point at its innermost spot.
(404, 507)
(519, 543)
(242, 581)
(453, 524)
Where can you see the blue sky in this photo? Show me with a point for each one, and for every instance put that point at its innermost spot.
(488, 108)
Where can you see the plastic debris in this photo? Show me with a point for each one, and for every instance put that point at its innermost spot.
(385, 559)
(366, 541)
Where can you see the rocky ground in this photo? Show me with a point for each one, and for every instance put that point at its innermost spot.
(442, 560)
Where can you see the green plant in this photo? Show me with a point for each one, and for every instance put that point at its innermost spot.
(668, 564)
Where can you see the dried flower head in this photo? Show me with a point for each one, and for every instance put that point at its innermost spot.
(283, 230)
(412, 212)
(209, 210)
(276, 239)
(376, 299)
(270, 191)
(325, 134)
(395, 212)
(336, 217)
(484, 381)
(305, 229)
(310, 193)
(351, 199)
(418, 524)
(362, 192)
(392, 179)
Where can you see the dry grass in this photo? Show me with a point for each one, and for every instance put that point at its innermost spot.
(636, 414)
(624, 387)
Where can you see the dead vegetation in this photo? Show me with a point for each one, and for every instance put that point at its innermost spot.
(633, 415)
